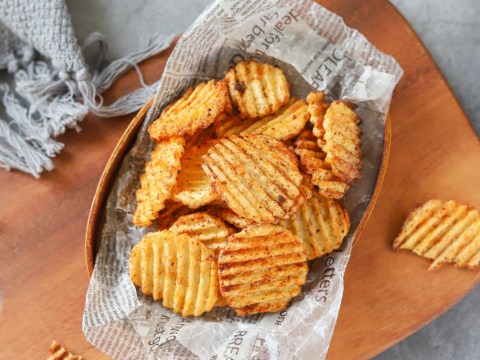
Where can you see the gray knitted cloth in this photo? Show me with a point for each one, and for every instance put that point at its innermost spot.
(45, 85)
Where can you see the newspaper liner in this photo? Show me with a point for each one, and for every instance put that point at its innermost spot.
(317, 51)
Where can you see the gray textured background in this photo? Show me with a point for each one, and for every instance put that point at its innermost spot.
(451, 31)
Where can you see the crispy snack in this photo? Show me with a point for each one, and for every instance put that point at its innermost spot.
(261, 269)
(257, 89)
(317, 108)
(171, 213)
(193, 187)
(321, 223)
(342, 142)
(311, 161)
(444, 231)
(231, 125)
(284, 125)
(196, 109)
(208, 229)
(256, 176)
(58, 352)
(230, 217)
(157, 182)
(177, 269)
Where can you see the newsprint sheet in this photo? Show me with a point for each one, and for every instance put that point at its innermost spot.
(317, 51)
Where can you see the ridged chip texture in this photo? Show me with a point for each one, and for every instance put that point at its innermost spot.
(58, 352)
(193, 187)
(196, 109)
(321, 223)
(317, 108)
(342, 142)
(261, 269)
(231, 125)
(256, 176)
(257, 89)
(443, 231)
(171, 213)
(158, 180)
(177, 269)
(230, 217)
(208, 229)
(312, 162)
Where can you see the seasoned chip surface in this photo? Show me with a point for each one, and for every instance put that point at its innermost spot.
(58, 352)
(311, 161)
(321, 223)
(257, 89)
(261, 269)
(208, 229)
(157, 182)
(177, 269)
(256, 176)
(342, 142)
(171, 213)
(230, 217)
(444, 231)
(196, 109)
(317, 108)
(193, 187)
(231, 125)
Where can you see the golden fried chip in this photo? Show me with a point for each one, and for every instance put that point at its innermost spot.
(257, 89)
(231, 125)
(444, 231)
(284, 125)
(171, 213)
(321, 223)
(197, 109)
(342, 142)
(230, 217)
(157, 182)
(58, 352)
(311, 161)
(177, 269)
(317, 108)
(256, 176)
(261, 269)
(208, 229)
(193, 187)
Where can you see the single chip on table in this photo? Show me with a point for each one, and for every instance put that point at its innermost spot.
(342, 142)
(208, 229)
(256, 176)
(261, 269)
(158, 180)
(193, 187)
(177, 269)
(58, 352)
(196, 109)
(312, 162)
(443, 231)
(257, 89)
(321, 223)
(317, 108)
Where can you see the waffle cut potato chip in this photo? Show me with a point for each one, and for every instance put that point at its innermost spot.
(208, 229)
(230, 217)
(193, 187)
(231, 125)
(311, 161)
(321, 223)
(443, 231)
(58, 352)
(342, 142)
(196, 109)
(171, 213)
(261, 269)
(317, 107)
(177, 269)
(158, 180)
(256, 176)
(257, 89)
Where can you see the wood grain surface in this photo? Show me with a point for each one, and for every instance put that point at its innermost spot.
(388, 295)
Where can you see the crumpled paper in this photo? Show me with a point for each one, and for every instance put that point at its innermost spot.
(317, 51)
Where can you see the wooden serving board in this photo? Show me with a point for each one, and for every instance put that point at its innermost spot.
(434, 153)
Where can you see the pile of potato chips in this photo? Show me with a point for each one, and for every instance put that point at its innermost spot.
(244, 184)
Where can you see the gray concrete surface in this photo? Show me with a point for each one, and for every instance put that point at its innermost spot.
(451, 31)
